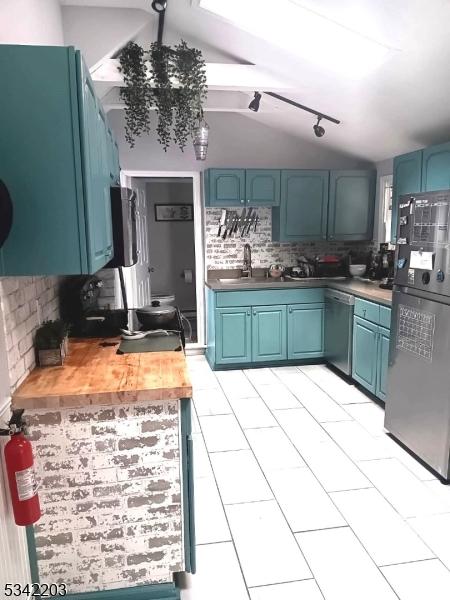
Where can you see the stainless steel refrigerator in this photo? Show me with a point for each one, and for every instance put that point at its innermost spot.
(418, 401)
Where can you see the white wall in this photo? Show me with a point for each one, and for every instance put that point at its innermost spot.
(171, 244)
(31, 22)
(235, 141)
(98, 32)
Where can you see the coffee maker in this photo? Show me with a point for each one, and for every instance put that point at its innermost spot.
(381, 266)
(79, 307)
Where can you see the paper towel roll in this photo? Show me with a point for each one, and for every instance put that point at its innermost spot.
(188, 277)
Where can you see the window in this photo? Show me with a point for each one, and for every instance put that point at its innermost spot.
(307, 34)
(385, 208)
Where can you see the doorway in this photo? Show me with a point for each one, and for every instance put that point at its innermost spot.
(170, 243)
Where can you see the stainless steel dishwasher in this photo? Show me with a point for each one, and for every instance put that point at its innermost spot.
(339, 329)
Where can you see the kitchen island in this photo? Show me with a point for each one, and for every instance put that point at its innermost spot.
(113, 454)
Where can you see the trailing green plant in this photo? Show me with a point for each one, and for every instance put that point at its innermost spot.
(136, 94)
(50, 334)
(190, 71)
(163, 96)
(176, 88)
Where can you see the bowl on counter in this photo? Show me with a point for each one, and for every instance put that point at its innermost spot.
(357, 270)
(276, 271)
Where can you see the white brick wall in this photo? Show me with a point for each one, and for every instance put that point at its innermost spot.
(107, 297)
(19, 298)
(229, 253)
(110, 491)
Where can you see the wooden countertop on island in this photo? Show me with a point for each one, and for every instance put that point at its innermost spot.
(93, 374)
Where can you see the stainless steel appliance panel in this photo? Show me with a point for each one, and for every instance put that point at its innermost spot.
(124, 227)
(423, 226)
(418, 406)
(339, 329)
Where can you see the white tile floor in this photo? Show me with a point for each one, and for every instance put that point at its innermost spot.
(301, 495)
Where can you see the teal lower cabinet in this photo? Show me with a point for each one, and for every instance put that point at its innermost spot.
(269, 333)
(370, 356)
(382, 362)
(233, 328)
(256, 327)
(365, 348)
(187, 466)
(305, 331)
(163, 591)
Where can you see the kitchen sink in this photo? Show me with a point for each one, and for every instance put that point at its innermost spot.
(247, 280)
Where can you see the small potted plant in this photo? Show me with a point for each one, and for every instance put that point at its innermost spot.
(51, 343)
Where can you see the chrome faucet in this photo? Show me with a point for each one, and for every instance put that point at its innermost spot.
(247, 266)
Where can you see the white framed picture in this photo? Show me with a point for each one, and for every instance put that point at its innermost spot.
(174, 212)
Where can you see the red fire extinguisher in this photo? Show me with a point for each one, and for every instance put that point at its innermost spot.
(21, 477)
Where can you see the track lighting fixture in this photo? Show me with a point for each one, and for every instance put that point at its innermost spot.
(254, 104)
(159, 5)
(318, 129)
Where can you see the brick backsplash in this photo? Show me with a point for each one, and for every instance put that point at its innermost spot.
(229, 253)
(18, 296)
(107, 296)
(110, 492)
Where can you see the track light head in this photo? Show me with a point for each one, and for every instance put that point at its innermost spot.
(159, 5)
(254, 104)
(318, 129)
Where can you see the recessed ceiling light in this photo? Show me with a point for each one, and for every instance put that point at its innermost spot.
(304, 33)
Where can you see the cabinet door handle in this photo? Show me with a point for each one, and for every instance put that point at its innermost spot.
(248, 313)
(254, 313)
(290, 309)
(6, 213)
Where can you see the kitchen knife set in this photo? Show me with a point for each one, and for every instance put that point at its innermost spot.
(231, 223)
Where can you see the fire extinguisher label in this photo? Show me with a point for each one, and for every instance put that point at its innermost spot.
(26, 484)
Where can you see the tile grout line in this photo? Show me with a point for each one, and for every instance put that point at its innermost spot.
(268, 484)
(220, 496)
(345, 520)
(404, 519)
(306, 463)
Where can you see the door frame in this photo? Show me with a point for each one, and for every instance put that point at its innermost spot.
(200, 268)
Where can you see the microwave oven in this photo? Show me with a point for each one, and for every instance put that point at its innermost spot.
(124, 229)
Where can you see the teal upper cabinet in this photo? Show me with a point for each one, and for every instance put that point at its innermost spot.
(365, 353)
(436, 168)
(302, 214)
(240, 187)
(54, 161)
(305, 331)
(97, 170)
(113, 159)
(351, 205)
(407, 179)
(233, 341)
(262, 187)
(225, 187)
(269, 333)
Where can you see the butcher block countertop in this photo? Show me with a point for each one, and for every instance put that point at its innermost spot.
(94, 374)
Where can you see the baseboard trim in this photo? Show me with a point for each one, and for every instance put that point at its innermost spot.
(164, 591)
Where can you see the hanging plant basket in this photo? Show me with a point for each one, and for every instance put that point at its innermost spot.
(175, 86)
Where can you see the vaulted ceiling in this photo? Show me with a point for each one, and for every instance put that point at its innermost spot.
(398, 106)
